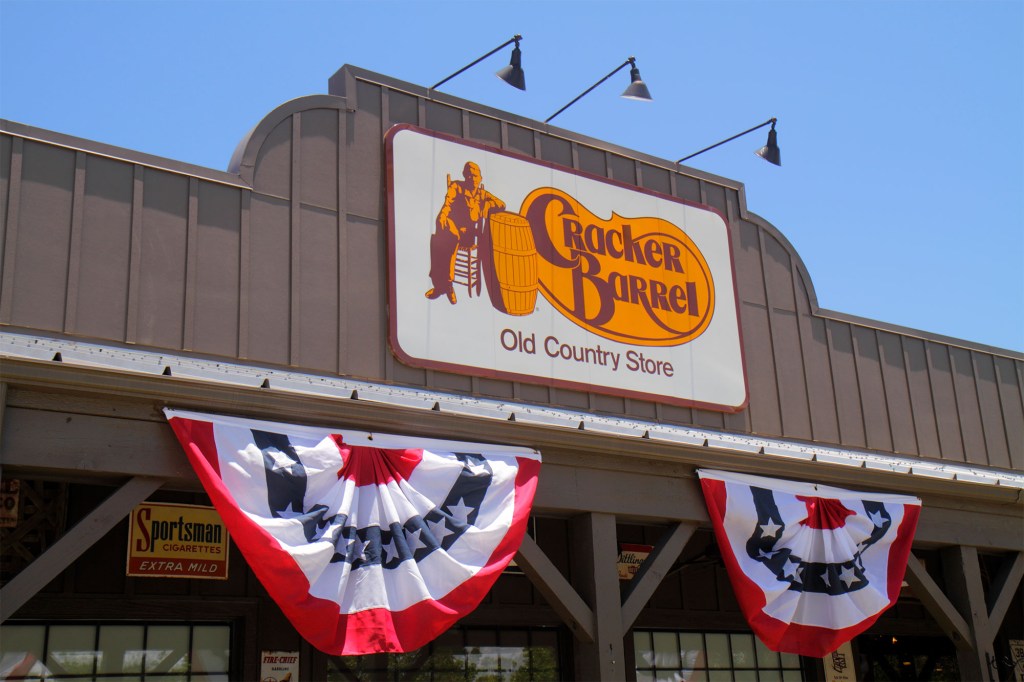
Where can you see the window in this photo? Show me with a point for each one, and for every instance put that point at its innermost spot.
(887, 657)
(709, 657)
(116, 651)
(462, 655)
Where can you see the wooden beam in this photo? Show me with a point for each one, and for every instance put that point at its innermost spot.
(934, 600)
(37, 440)
(942, 527)
(584, 450)
(555, 589)
(653, 570)
(81, 444)
(568, 488)
(73, 544)
(1002, 589)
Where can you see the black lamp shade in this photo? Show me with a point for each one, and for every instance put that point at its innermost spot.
(770, 152)
(637, 88)
(513, 74)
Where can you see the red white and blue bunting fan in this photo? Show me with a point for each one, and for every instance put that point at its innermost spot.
(812, 566)
(369, 543)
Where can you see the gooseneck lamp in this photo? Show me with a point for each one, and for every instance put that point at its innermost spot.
(769, 152)
(512, 74)
(637, 89)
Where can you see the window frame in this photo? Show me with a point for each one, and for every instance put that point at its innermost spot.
(234, 669)
(706, 669)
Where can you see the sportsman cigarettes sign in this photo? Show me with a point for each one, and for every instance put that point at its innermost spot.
(177, 541)
(508, 267)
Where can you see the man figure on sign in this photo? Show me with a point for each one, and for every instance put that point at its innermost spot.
(459, 222)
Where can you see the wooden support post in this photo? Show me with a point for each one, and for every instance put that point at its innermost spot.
(595, 552)
(74, 543)
(964, 587)
(3, 410)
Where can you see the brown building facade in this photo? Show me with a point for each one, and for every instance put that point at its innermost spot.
(130, 283)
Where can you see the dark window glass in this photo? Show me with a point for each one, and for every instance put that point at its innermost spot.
(461, 655)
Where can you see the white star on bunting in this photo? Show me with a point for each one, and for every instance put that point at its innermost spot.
(848, 576)
(439, 530)
(460, 512)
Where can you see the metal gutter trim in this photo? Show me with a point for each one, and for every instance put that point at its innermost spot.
(137, 361)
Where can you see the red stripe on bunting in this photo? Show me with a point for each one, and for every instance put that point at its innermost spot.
(899, 552)
(375, 466)
(198, 440)
(824, 513)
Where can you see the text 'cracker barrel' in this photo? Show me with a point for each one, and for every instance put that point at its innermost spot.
(515, 261)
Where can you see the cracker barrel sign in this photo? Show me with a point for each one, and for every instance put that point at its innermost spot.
(508, 267)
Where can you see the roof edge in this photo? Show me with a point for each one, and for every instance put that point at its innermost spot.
(110, 151)
(337, 85)
(243, 160)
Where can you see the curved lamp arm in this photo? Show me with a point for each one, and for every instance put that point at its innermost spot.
(514, 39)
(636, 90)
(770, 152)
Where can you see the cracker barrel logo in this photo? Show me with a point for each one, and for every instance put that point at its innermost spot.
(637, 280)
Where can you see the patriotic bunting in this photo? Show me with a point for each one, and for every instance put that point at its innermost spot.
(812, 566)
(369, 543)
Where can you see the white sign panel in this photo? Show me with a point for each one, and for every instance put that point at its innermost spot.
(279, 666)
(504, 266)
(1017, 658)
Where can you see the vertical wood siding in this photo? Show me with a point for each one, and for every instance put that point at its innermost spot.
(163, 261)
(292, 272)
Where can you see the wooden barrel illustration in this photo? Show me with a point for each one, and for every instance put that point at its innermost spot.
(514, 262)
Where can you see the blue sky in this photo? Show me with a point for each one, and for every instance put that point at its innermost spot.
(901, 123)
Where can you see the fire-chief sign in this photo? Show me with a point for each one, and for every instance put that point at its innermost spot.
(513, 268)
